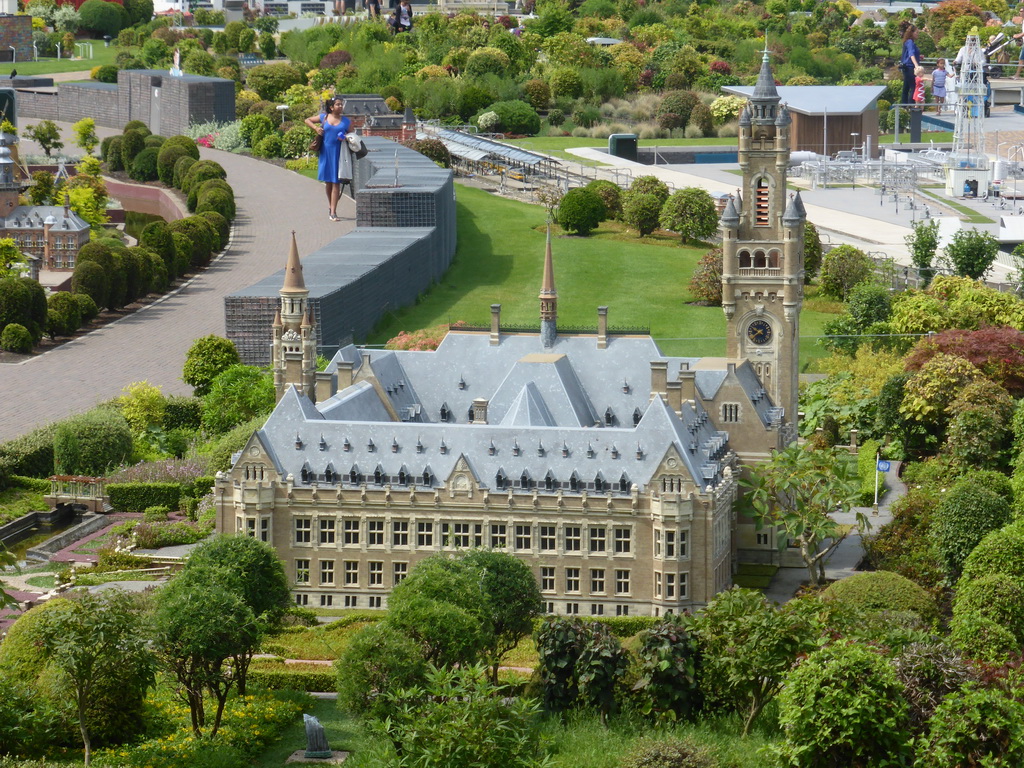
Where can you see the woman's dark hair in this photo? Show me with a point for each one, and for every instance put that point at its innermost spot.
(908, 32)
(330, 102)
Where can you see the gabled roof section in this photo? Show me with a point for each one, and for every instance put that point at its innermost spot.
(553, 374)
(295, 406)
(529, 409)
(360, 402)
(397, 385)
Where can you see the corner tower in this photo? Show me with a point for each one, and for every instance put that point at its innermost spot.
(763, 249)
(293, 350)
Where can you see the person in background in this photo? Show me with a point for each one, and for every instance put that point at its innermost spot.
(404, 17)
(919, 86)
(939, 84)
(909, 61)
(1020, 56)
(373, 9)
(333, 126)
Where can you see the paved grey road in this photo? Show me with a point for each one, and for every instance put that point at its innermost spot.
(151, 344)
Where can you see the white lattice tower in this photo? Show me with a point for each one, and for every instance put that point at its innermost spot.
(969, 128)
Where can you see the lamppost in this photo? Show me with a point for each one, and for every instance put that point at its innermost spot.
(282, 108)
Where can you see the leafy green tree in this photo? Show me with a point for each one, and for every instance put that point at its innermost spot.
(41, 193)
(63, 316)
(262, 583)
(379, 659)
(208, 357)
(458, 719)
(92, 443)
(97, 640)
(580, 211)
(747, 647)
(842, 268)
(85, 129)
(690, 212)
(641, 211)
(650, 185)
(859, 714)
(104, 18)
(796, 491)
(238, 394)
(12, 260)
(971, 252)
(200, 622)
(923, 242)
(46, 134)
(669, 658)
(812, 251)
(706, 280)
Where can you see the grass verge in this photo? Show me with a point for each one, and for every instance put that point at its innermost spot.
(20, 499)
(101, 55)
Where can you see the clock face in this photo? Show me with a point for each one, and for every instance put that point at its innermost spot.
(759, 332)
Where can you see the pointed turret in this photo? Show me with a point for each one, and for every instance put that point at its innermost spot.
(294, 347)
(794, 214)
(548, 298)
(764, 101)
(730, 216)
(293, 281)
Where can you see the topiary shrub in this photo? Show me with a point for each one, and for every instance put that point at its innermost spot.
(610, 194)
(199, 232)
(996, 597)
(183, 412)
(650, 185)
(640, 211)
(140, 497)
(1001, 551)
(975, 726)
(701, 119)
(537, 94)
(87, 306)
(63, 315)
(883, 591)
(516, 117)
(669, 753)
(965, 516)
(144, 166)
(220, 224)
(843, 706)
(16, 338)
(155, 141)
(580, 211)
(181, 168)
(157, 514)
(680, 104)
(107, 73)
(169, 155)
(198, 188)
(113, 157)
(271, 80)
(254, 128)
(132, 142)
(200, 172)
(377, 660)
(435, 150)
(219, 201)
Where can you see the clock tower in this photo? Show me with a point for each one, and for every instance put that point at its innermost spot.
(763, 250)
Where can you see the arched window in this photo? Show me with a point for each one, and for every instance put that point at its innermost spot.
(773, 259)
(759, 260)
(599, 484)
(353, 476)
(745, 259)
(426, 477)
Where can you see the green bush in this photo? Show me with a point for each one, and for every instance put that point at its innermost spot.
(975, 726)
(377, 660)
(16, 338)
(199, 172)
(200, 235)
(156, 514)
(997, 597)
(580, 211)
(168, 155)
(183, 412)
(156, 236)
(219, 223)
(132, 142)
(678, 104)
(91, 443)
(650, 185)
(255, 128)
(138, 497)
(181, 169)
(610, 194)
(883, 591)
(31, 454)
(64, 316)
(297, 677)
(144, 165)
(87, 306)
(268, 146)
(157, 535)
(964, 517)
(155, 142)
(218, 453)
(978, 637)
(516, 117)
(91, 279)
(113, 156)
(107, 74)
(272, 80)
(641, 211)
(842, 268)
(296, 140)
(218, 201)
(102, 17)
(1001, 551)
(843, 706)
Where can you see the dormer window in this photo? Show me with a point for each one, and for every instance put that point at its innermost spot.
(624, 484)
(402, 477)
(298, 442)
(323, 443)
(304, 474)
(549, 482)
(329, 475)
(445, 413)
(599, 484)
(427, 480)
(346, 446)
(491, 450)
(469, 413)
(524, 481)
(353, 476)
(378, 476)
(574, 482)
(609, 418)
(369, 446)
(500, 480)
(565, 451)
(637, 416)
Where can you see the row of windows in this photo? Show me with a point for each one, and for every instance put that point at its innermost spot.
(521, 537)
(670, 585)
(351, 573)
(376, 601)
(598, 580)
(596, 609)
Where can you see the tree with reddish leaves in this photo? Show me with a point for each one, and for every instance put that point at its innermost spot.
(996, 352)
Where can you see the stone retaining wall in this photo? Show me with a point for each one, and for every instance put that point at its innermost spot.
(147, 199)
(91, 522)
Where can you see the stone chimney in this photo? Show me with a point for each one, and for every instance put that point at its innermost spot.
(659, 377)
(480, 410)
(495, 324)
(602, 327)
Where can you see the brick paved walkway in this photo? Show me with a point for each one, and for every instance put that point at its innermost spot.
(151, 343)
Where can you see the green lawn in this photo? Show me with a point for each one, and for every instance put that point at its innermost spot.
(48, 66)
(19, 500)
(643, 281)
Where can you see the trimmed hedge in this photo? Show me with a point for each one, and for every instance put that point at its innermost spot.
(31, 454)
(181, 412)
(866, 472)
(620, 626)
(275, 675)
(883, 591)
(1001, 551)
(137, 497)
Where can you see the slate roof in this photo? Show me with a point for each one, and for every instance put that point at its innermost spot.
(546, 416)
(33, 217)
(817, 99)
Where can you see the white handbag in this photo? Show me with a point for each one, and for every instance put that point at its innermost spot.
(356, 145)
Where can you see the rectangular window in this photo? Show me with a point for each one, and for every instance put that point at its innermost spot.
(682, 584)
(265, 529)
(622, 610)
(597, 581)
(524, 538)
(597, 539)
(596, 609)
(351, 573)
(376, 574)
(548, 538)
(424, 534)
(351, 601)
(657, 542)
(572, 539)
(303, 527)
(670, 543)
(499, 538)
(547, 578)
(571, 609)
(326, 601)
(351, 529)
(460, 535)
(326, 571)
(302, 599)
(401, 571)
(762, 539)
(302, 571)
(375, 533)
(623, 544)
(400, 533)
(549, 607)
(572, 579)
(621, 582)
(326, 531)
(670, 585)
(682, 544)
(657, 584)
(375, 601)
(478, 535)
(250, 527)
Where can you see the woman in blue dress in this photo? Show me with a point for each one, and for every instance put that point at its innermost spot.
(333, 126)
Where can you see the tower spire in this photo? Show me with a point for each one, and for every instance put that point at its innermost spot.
(548, 298)
(294, 347)
(293, 281)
